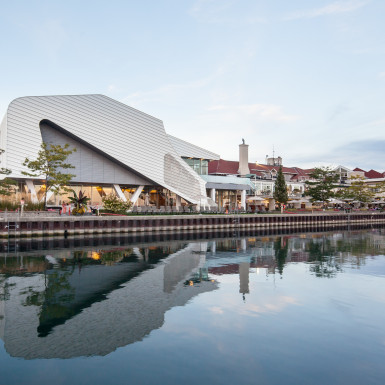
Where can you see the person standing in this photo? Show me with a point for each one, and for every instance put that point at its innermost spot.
(22, 202)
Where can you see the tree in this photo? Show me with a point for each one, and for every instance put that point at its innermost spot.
(358, 190)
(50, 162)
(6, 184)
(280, 189)
(323, 181)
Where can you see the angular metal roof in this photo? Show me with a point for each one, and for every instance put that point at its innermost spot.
(189, 150)
(125, 134)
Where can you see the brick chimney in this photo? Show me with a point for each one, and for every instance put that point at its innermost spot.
(243, 159)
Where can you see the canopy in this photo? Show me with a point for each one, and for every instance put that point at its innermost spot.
(256, 199)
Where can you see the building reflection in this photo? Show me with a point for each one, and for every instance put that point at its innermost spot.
(93, 302)
(90, 301)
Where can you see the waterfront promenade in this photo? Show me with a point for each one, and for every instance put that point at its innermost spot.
(49, 224)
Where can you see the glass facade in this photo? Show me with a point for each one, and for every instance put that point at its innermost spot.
(150, 196)
(228, 199)
(200, 166)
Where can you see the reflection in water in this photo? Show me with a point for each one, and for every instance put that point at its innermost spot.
(91, 301)
(95, 301)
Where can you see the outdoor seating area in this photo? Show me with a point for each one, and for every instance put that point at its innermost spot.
(168, 210)
(153, 210)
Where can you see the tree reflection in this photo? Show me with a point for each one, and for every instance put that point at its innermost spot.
(77, 282)
(324, 263)
(280, 250)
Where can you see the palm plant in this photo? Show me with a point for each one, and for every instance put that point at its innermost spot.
(80, 202)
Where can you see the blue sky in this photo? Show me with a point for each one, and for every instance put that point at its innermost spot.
(307, 77)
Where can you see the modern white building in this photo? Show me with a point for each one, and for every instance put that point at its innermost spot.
(119, 149)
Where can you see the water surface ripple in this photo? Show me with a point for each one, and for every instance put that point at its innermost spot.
(304, 308)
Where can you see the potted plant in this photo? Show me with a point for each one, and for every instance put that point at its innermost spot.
(80, 203)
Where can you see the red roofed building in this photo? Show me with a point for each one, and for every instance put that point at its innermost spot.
(373, 174)
(226, 177)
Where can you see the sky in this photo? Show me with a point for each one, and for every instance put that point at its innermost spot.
(305, 79)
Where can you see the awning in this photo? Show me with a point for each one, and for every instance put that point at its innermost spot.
(227, 186)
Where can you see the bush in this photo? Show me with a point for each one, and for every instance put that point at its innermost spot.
(114, 204)
(13, 206)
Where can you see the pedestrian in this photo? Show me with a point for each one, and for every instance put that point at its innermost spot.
(22, 202)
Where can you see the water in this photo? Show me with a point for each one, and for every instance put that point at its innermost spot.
(290, 309)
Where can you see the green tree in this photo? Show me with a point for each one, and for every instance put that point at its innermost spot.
(379, 188)
(280, 188)
(323, 181)
(358, 190)
(49, 165)
(6, 184)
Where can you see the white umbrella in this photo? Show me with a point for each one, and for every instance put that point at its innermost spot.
(255, 199)
(336, 201)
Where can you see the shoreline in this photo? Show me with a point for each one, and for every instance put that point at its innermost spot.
(59, 226)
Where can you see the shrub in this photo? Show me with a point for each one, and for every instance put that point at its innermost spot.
(13, 206)
(114, 204)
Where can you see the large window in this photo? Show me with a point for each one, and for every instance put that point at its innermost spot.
(200, 166)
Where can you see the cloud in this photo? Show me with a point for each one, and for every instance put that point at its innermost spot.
(216, 310)
(339, 110)
(269, 112)
(331, 9)
(275, 305)
(366, 154)
(381, 75)
(217, 11)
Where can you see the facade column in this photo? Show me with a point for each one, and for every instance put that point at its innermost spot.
(31, 188)
(271, 204)
(212, 195)
(178, 201)
(136, 195)
(243, 199)
(49, 195)
(119, 191)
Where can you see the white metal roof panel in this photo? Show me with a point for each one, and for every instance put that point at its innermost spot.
(130, 136)
(189, 150)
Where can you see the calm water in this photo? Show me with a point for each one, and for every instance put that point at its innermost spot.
(307, 309)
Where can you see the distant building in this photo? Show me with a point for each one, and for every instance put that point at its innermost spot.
(232, 181)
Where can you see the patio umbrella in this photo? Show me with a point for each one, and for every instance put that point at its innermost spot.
(336, 201)
(255, 199)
